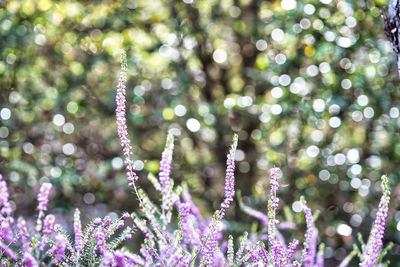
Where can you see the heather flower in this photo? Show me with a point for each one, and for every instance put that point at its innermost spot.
(43, 196)
(43, 200)
(166, 164)
(6, 207)
(230, 252)
(119, 258)
(101, 241)
(5, 229)
(229, 178)
(78, 232)
(48, 224)
(310, 243)
(29, 260)
(210, 238)
(134, 259)
(273, 203)
(59, 248)
(23, 235)
(6, 251)
(291, 249)
(122, 127)
(375, 243)
(276, 246)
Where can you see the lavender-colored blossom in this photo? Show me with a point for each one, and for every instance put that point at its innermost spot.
(43, 196)
(262, 251)
(230, 252)
(29, 260)
(43, 200)
(291, 249)
(275, 245)
(273, 203)
(7, 252)
(189, 233)
(164, 173)
(108, 259)
(126, 216)
(6, 233)
(210, 239)
(59, 248)
(6, 207)
(119, 258)
(134, 259)
(106, 222)
(229, 178)
(193, 208)
(253, 254)
(101, 241)
(78, 231)
(375, 241)
(122, 128)
(97, 221)
(48, 224)
(23, 236)
(310, 243)
(274, 175)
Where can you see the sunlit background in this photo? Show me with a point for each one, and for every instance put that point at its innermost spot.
(309, 86)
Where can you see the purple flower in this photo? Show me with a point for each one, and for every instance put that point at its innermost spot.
(134, 259)
(23, 235)
(108, 259)
(6, 209)
(166, 164)
(375, 243)
(8, 252)
(126, 216)
(29, 260)
(48, 224)
(101, 241)
(229, 178)
(122, 128)
(5, 229)
(291, 249)
(59, 248)
(274, 174)
(119, 258)
(43, 196)
(188, 232)
(210, 239)
(273, 203)
(310, 243)
(78, 231)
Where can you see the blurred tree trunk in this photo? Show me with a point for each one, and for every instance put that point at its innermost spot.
(392, 28)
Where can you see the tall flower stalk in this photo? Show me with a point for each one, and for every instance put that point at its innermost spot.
(43, 200)
(164, 176)
(375, 240)
(78, 234)
(210, 239)
(122, 127)
(310, 243)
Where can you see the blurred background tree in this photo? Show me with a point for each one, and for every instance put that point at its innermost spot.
(309, 86)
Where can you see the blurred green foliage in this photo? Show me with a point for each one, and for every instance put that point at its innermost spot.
(309, 86)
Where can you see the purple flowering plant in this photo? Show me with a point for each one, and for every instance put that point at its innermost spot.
(193, 241)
